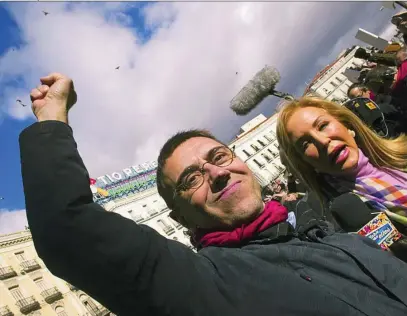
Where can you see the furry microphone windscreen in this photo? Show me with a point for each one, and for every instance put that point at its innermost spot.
(255, 90)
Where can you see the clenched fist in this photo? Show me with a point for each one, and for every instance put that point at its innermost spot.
(53, 98)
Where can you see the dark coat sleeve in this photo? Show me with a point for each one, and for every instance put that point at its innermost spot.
(129, 268)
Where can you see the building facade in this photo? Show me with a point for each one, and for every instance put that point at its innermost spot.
(148, 208)
(133, 194)
(332, 82)
(257, 146)
(27, 287)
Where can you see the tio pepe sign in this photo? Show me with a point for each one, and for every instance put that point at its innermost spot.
(125, 173)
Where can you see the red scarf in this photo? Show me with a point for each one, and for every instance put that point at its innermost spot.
(272, 214)
(372, 96)
(401, 74)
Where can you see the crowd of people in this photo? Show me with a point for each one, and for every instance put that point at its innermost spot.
(281, 250)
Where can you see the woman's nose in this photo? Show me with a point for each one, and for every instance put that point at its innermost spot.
(322, 139)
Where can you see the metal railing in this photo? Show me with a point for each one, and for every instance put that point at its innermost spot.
(5, 311)
(51, 295)
(30, 265)
(28, 305)
(7, 272)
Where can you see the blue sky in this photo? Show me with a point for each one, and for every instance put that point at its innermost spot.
(11, 187)
(178, 69)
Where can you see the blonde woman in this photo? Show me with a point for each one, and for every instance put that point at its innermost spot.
(332, 152)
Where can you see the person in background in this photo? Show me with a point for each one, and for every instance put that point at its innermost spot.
(358, 90)
(250, 260)
(330, 147)
(305, 202)
(382, 116)
(399, 86)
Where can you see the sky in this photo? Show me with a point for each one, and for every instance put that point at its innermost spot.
(180, 65)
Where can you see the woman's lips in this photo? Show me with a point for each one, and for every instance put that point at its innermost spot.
(343, 154)
(229, 190)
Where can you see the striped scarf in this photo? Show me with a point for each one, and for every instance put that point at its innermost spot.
(379, 194)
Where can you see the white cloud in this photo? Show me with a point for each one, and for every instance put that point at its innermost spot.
(12, 221)
(183, 77)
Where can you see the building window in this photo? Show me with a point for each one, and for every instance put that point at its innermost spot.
(261, 143)
(279, 167)
(273, 153)
(174, 222)
(27, 265)
(247, 154)
(135, 217)
(339, 80)
(150, 211)
(25, 304)
(277, 145)
(91, 306)
(60, 311)
(268, 138)
(258, 163)
(256, 149)
(334, 84)
(16, 293)
(21, 256)
(267, 158)
(168, 229)
(41, 284)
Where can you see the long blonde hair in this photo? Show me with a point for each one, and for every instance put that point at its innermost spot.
(381, 152)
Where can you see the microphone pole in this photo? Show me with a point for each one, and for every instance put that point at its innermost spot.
(282, 95)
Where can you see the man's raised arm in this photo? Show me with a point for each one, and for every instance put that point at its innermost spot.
(110, 257)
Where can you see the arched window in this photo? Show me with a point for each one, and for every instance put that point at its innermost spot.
(60, 311)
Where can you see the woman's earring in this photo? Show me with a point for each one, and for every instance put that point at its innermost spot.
(352, 133)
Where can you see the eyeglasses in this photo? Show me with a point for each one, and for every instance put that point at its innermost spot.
(193, 177)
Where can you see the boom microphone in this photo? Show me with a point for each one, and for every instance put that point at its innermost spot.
(261, 86)
(353, 215)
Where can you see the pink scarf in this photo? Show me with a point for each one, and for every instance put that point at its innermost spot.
(272, 214)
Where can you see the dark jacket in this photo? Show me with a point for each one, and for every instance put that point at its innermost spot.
(133, 270)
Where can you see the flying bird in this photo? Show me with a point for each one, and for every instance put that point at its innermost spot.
(45, 13)
(19, 101)
(117, 67)
(236, 72)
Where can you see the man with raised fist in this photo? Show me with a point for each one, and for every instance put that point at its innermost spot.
(251, 260)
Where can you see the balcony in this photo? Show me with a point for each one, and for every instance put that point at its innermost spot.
(51, 295)
(169, 230)
(7, 272)
(28, 305)
(5, 311)
(30, 265)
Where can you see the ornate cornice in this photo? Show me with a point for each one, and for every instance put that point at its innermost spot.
(15, 241)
